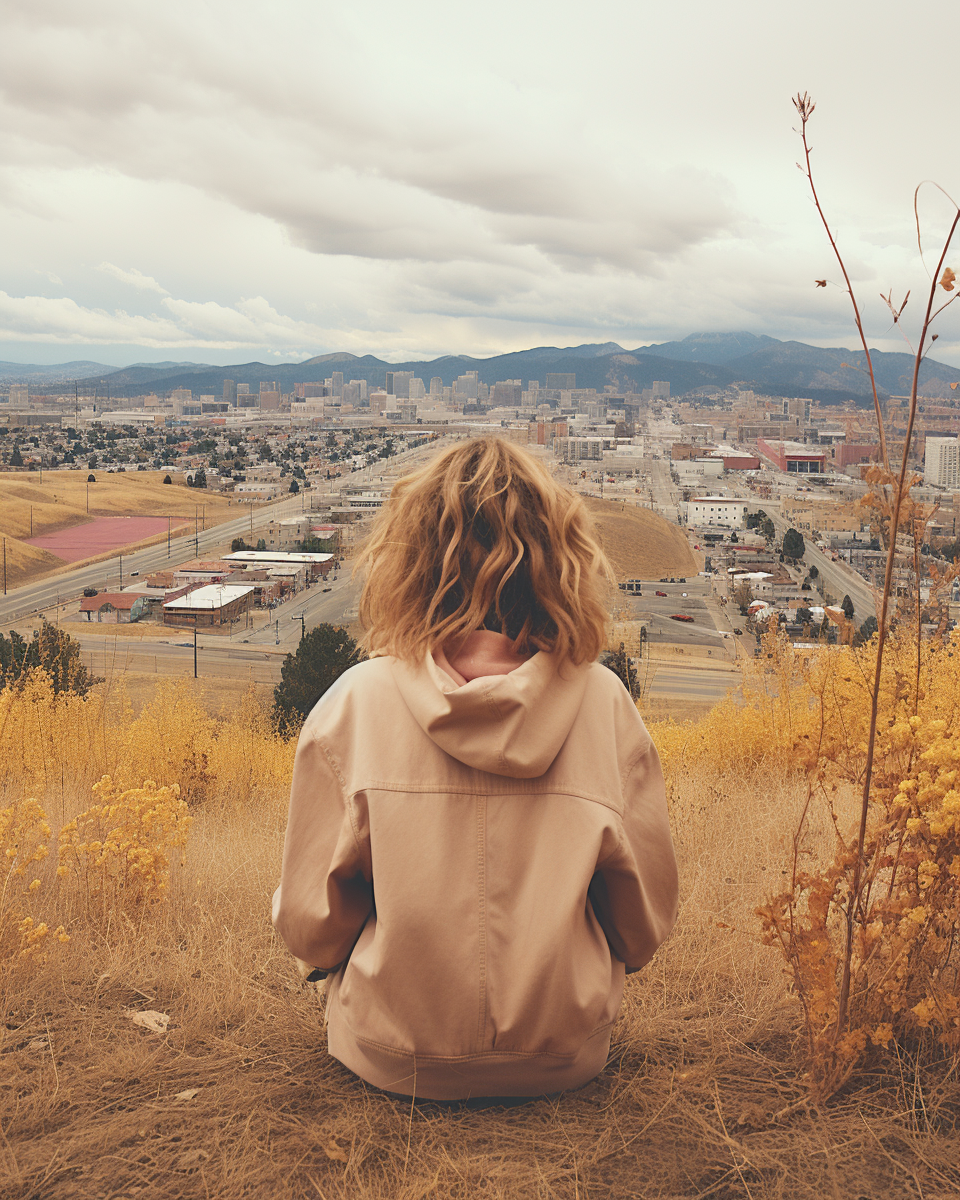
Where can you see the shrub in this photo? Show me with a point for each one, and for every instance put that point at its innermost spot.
(117, 852)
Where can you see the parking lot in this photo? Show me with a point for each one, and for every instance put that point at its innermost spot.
(655, 612)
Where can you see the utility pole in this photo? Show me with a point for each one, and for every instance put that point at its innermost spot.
(4, 566)
(303, 624)
(31, 520)
(278, 631)
(195, 647)
(196, 532)
(168, 537)
(121, 572)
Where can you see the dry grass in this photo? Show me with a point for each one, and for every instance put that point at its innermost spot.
(640, 543)
(702, 1096)
(61, 500)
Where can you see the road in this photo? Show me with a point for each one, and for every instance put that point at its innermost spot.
(691, 683)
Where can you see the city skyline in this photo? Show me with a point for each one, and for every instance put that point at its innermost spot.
(228, 184)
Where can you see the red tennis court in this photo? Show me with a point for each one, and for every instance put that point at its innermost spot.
(101, 536)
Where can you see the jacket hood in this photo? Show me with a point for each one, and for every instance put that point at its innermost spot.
(511, 723)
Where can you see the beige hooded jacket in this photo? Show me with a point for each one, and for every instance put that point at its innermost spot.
(484, 858)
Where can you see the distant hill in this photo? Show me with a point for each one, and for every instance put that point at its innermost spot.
(716, 348)
(700, 361)
(796, 368)
(11, 372)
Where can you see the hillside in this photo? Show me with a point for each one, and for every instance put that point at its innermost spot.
(60, 502)
(641, 544)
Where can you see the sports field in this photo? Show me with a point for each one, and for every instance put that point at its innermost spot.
(102, 535)
(66, 508)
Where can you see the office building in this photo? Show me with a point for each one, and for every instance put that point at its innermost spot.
(941, 462)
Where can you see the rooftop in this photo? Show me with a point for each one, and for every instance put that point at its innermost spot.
(214, 595)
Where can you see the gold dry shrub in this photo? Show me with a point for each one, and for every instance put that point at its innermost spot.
(24, 845)
(117, 852)
(62, 744)
(905, 972)
(760, 727)
(236, 757)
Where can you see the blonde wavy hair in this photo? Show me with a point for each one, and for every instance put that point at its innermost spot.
(483, 537)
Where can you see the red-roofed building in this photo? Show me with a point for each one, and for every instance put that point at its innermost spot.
(119, 607)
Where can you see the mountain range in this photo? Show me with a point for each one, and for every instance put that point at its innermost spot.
(706, 361)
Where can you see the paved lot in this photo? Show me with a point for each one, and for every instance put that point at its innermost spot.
(655, 612)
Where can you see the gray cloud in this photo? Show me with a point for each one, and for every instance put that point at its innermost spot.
(385, 178)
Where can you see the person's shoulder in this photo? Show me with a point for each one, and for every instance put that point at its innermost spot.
(357, 688)
(602, 682)
(608, 698)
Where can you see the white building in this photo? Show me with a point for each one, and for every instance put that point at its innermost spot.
(716, 510)
(941, 462)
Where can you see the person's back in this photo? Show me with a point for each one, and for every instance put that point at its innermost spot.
(478, 840)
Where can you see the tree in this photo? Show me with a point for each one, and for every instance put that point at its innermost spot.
(294, 486)
(261, 544)
(323, 655)
(793, 546)
(91, 479)
(200, 479)
(866, 631)
(92, 462)
(814, 573)
(239, 544)
(847, 607)
(16, 458)
(315, 545)
(804, 616)
(167, 479)
(618, 661)
(51, 649)
(743, 595)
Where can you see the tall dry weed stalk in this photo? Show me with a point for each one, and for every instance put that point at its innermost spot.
(871, 940)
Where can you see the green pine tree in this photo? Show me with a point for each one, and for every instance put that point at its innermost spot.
(323, 655)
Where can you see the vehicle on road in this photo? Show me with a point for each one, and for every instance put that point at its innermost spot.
(134, 574)
(680, 617)
(661, 593)
(738, 632)
(90, 591)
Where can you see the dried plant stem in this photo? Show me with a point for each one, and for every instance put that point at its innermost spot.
(805, 107)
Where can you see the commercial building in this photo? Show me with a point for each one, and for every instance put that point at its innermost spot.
(716, 510)
(792, 457)
(215, 604)
(317, 564)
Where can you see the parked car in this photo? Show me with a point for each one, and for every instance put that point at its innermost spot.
(738, 632)
(661, 593)
(680, 617)
(134, 574)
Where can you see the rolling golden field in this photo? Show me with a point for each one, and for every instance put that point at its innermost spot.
(227, 1091)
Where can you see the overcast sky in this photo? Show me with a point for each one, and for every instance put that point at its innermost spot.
(225, 180)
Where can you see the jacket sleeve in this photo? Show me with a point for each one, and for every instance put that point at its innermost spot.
(325, 894)
(634, 890)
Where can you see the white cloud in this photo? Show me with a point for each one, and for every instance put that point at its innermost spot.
(133, 277)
